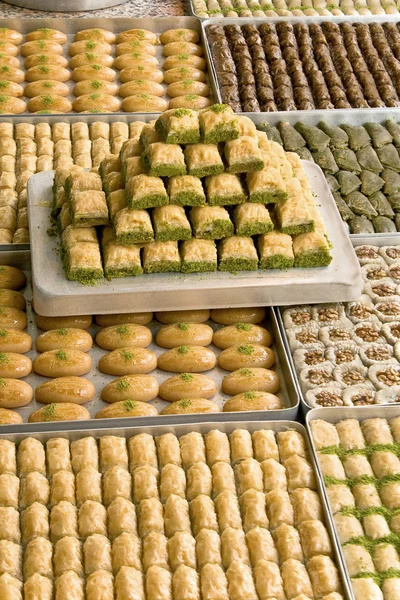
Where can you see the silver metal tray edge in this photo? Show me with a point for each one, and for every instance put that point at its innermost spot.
(297, 19)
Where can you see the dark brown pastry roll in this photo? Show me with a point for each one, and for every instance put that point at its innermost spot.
(269, 107)
(290, 54)
(251, 106)
(246, 78)
(265, 94)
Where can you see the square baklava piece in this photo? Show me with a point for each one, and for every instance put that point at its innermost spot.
(145, 191)
(89, 208)
(294, 215)
(83, 262)
(120, 260)
(171, 223)
(133, 226)
(198, 256)
(203, 160)
(243, 155)
(252, 219)
(218, 123)
(186, 190)
(276, 251)
(237, 253)
(179, 126)
(224, 189)
(211, 222)
(166, 160)
(266, 186)
(161, 257)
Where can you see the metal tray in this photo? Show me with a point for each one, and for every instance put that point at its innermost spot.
(300, 18)
(66, 6)
(72, 25)
(119, 428)
(288, 391)
(334, 415)
(377, 239)
(55, 295)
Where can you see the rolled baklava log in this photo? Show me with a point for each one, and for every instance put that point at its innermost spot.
(224, 66)
(265, 90)
(283, 89)
(393, 37)
(383, 82)
(244, 67)
(360, 67)
(382, 46)
(343, 66)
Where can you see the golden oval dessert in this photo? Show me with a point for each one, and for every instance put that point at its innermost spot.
(12, 278)
(144, 103)
(122, 318)
(41, 47)
(187, 385)
(47, 72)
(137, 34)
(102, 35)
(180, 334)
(183, 47)
(252, 401)
(141, 86)
(179, 35)
(183, 316)
(90, 86)
(135, 46)
(14, 393)
(254, 379)
(9, 417)
(62, 363)
(45, 33)
(89, 46)
(64, 338)
(50, 102)
(11, 74)
(37, 60)
(246, 355)
(128, 335)
(141, 72)
(76, 390)
(94, 72)
(65, 411)
(10, 88)
(230, 316)
(192, 101)
(8, 48)
(97, 102)
(128, 361)
(10, 104)
(241, 333)
(47, 323)
(14, 366)
(12, 298)
(184, 60)
(15, 340)
(134, 59)
(91, 58)
(187, 359)
(46, 86)
(140, 388)
(181, 73)
(12, 318)
(10, 35)
(11, 61)
(190, 406)
(188, 86)
(127, 408)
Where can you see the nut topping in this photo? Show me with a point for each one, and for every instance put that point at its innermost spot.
(393, 252)
(314, 357)
(318, 377)
(383, 290)
(375, 353)
(300, 318)
(376, 274)
(328, 314)
(344, 356)
(339, 334)
(328, 399)
(363, 399)
(353, 377)
(361, 311)
(389, 308)
(366, 252)
(368, 334)
(306, 337)
(389, 376)
(395, 272)
(395, 331)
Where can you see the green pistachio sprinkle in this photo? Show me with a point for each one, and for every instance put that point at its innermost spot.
(44, 69)
(96, 67)
(3, 99)
(182, 326)
(3, 333)
(47, 100)
(244, 326)
(41, 44)
(246, 349)
(218, 108)
(42, 58)
(5, 69)
(61, 355)
(94, 96)
(250, 395)
(245, 372)
(63, 331)
(96, 84)
(129, 405)
(183, 349)
(126, 355)
(191, 97)
(90, 45)
(4, 358)
(122, 385)
(183, 56)
(184, 403)
(3, 383)
(186, 377)
(122, 329)
(48, 84)
(90, 55)
(49, 411)
(4, 84)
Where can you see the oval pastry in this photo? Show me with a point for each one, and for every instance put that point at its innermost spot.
(37, 60)
(184, 60)
(41, 47)
(137, 34)
(46, 86)
(10, 104)
(76, 390)
(141, 86)
(47, 72)
(98, 34)
(10, 35)
(9, 417)
(14, 366)
(50, 102)
(12, 318)
(11, 61)
(12, 298)
(47, 323)
(126, 408)
(251, 379)
(89, 46)
(44, 33)
(241, 333)
(8, 48)
(59, 412)
(11, 88)
(179, 35)
(181, 73)
(192, 101)
(187, 359)
(122, 318)
(93, 72)
(246, 355)
(15, 340)
(127, 361)
(127, 335)
(96, 102)
(12, 278)
(62, 363)
(182, 47)
(252, 401)
(188, 86)
(144, 103)
(134, 59)
(187, 385)
(11, 74)
(141, 388)
(91, 58)
(230, 316)
(141, 72)
(180, 334)
(14, 393)
(90, 86)
(186, 406)
(135, 46)
(183, 316)
(67, 338)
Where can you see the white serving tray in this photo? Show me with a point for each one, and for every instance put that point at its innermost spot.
(54, 295)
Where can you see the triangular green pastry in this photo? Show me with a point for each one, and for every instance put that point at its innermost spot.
(316, 139)
(370, 182)
(368, 159)
(360, 204)
(389, 157)
(349, 182)
(338, 137)
(381, 204)
(379, 135)
(326, 160)
(358, 136)
(292, 140)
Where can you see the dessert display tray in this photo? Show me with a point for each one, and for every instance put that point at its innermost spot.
(66, 6)
(55, 295)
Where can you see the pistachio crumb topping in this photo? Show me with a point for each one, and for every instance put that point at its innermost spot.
(246, 349)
